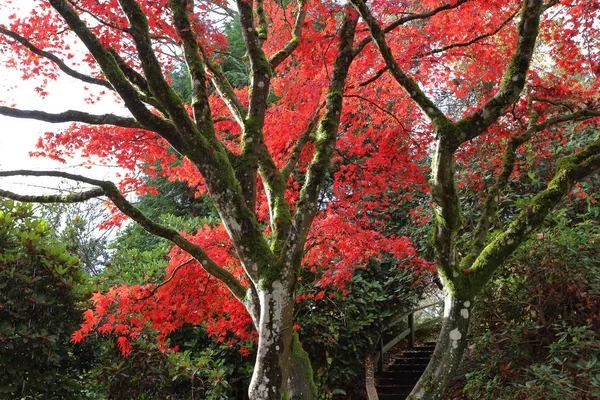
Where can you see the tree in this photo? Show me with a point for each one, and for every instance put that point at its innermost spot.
(287, 128)
(124, 43)
(464, 273)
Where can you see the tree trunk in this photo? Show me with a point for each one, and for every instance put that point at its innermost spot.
(272, 365)
(301, 385)
(449, 349)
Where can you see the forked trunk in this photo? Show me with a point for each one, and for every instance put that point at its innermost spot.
(448, 351)
(272, 365)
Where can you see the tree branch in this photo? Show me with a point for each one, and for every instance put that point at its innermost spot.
(110, 190)
(401, 21)
(471, 41)
(53, 198)
(514, 77)
(57, 61)
(569, 170)
(276, 59)
(382, 70)
(200, 105)
(157, 83)
(226, 92)
(71, 116)
(508, 163)
(325, 141)
(115, 75)
(302, 141)
(436, 116)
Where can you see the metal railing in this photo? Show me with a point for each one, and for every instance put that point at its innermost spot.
(375, 360)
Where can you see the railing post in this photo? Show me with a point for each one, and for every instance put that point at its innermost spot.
(380, 361)
(411, 326)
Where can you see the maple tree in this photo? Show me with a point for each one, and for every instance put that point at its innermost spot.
(337, 123)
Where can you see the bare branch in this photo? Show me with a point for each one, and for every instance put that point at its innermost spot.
(53, 198)
(71, 116)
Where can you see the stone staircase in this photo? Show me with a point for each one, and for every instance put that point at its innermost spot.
(398, 380)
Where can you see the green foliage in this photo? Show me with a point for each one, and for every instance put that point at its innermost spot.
(338, 328)
(41, 286)
(76, 227)
(536, 326)
(233, 65)
(200, 369)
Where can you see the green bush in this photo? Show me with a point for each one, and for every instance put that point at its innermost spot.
(536, 328)
(41, 287)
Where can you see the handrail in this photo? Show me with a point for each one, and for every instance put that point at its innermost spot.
(377, 357)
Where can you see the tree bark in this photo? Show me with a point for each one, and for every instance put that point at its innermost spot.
(275, 329)
(449, 349)
(301, 385)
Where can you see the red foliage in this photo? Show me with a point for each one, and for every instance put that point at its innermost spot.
(458, 56)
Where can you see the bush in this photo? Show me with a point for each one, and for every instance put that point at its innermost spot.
(41, 286)
(536, 329)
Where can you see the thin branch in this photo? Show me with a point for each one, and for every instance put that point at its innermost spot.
(326, 137)
(436, 116)
(175, 270)
(302, 141)
(569, 170)
(374, 104)
(115, 76)
(110, 190)
(160, 88)
(57, 61)
(413, 17)
(471, 41)
(71, 116)
(226, 91)
(508, 164)
(200, 105)
(514, 77)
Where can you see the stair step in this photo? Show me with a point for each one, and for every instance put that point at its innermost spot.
(417, 353)
(394, 389)
(397, 382)
(407, 367)
(394, 396)
(400, 380)
(398, 375)
(412, 360)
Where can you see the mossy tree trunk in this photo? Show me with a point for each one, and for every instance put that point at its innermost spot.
(449, 350)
